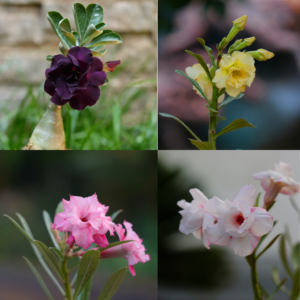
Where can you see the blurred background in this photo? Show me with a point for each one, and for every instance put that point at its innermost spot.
(124, 117)
(189, 271)
(31, 182)
(271, 104)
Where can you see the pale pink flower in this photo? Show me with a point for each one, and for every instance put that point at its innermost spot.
(134, 251)
(86, 221)
(239, 224)
(278, 181)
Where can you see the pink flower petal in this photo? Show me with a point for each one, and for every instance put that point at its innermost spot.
(263, 222)
(244, 246)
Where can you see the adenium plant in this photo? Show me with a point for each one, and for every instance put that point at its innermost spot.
(78, 233)
(74, 77)
(242, 225)
(229, 73)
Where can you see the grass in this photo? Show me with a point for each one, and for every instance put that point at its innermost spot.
(120, 120)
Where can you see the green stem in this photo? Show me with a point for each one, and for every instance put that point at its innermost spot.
(254, 278)
(65, 274)
(213, 118)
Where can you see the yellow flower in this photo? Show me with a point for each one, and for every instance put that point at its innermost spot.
(197, 73)
(236, 71)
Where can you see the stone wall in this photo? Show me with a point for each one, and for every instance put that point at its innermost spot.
(26, 38)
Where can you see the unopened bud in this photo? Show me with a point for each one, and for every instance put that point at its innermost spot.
(238, 25)
(246, 43)
(261, 54)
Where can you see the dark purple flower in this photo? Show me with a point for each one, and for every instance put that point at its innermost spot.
(75, 78)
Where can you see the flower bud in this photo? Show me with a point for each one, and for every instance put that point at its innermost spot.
(246, 43)
(238, 25)
(261, 54)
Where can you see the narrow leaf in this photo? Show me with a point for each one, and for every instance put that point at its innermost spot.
(105, 39)
(39, 278)
(186, 127)
(54, 18)
(65, 28)
(194, 83)
(112, 284)
(229, 99)
(85, 294)
(296, 254)
(201, 61)
(277, 289)
(257, 200)
(48, 222)
(283, 256)
(296, 284)
(49, 257)
(276, 278)
(115, 214)
(263, 291)
(236, 124)
(86, 269)
(80, 20)
(211, 109)
(202, 145)
(57, 252)
(268, 246)
(209, 52)
(76, 37)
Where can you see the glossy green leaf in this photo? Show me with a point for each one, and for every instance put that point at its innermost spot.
(76, 37)
(79, 13)
(54, 18)
(49, 57)
(209, 52)
(62, 49)
(211, 109)
(85, 294)
(186, 127)
(277, 289)
(86, 269)
(295, 257)
(115, 214)
(38, 254)
(115, 244)
(100, 53)
(112, 284)
(65, 28)
(257, 200)
(236, 124)
(57, 252)
(268, 246)
(39, 278)
(194, 83)
(276, 278)
(108, 38)
(49, 257)
(296, 284)
(264, 236)
(229, 99)
(283, 256)
(92, 32)
(201, 61)
(48, 222)
(94, 14)
(202, 145)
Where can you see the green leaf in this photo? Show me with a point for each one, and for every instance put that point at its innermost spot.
(115, 214)
(236, 124)
(209, 52)
(80, 20)
(92, 32)
(283, 256)
(115, 244)
(186, 127)
(100, 53)
(57, 252)
(296, 284)
(201, 61)
(277, 289)
(49, 57)
(194, 83)
(268, 246)
(211, 109)
(74, 265)
(202, 145)
(112, 284)
(62, 49)
(276, 278)
(49, 257)
(264, 236)
(229, 99)
(47, 220)
(54, 18)
(85, 294)
(295, 257)
(108, 38)
(39, 278)
(94, 14)
(65, 28)
(86, 269)
(257, 200)
(263, 291)
(76, 37)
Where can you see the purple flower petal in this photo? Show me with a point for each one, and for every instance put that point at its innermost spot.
(57, 100)
(96, 65)
(74, 60)
(82, 85)
(98, 78)
(81, 53)
(54, 62)
(49, 87)
(85, 98)
(61, 71)
(62, 89)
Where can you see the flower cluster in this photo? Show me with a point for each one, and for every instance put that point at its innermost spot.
(86, 220)
(237, 224)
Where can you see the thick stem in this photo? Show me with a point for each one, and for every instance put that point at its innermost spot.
(213, 118)
(254, 279)
(66, 279)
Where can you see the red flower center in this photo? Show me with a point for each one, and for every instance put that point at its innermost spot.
(239, 219)
(84, 219)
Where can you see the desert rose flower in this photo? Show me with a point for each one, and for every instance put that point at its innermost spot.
(278, 181)
(75, 78)
(236, 72)
(197, 73)
(134, 251)
(86, 221)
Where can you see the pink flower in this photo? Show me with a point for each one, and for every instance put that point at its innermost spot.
(278, 181)
(134, 251)
(239, 224)
(85, 219)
